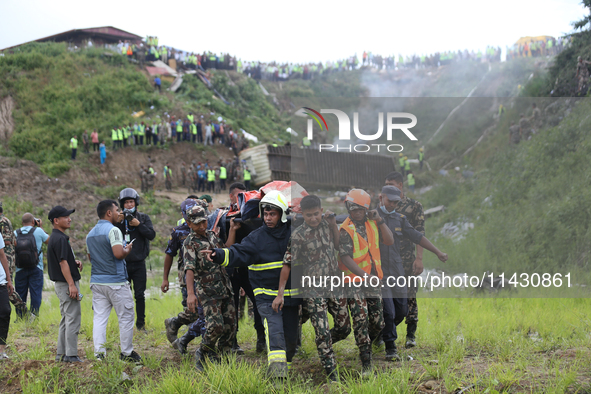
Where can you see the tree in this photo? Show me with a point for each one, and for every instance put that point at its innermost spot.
(579, 25)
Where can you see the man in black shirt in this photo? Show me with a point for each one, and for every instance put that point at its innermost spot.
(136, 226)
(63, 269)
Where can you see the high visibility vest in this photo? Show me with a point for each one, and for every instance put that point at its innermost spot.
(365, 253)
(129, 51)
(190, 117)
(74, 143)
(306, 141)
(126, 132)
(179, 127)
(142, 131)
(411, 180)
(166, 172)
(114, 135)
(123, 50)
(163, 51)
(156, 54)
(120, 134)
(193, 128)
(421, 156)
(406, 165)
(246, 175)
(223, 172)
(210, 175)
(155, 129)
(401, 162)
(151, 170)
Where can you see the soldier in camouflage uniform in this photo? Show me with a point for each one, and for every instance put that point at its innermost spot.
(312, 250)
(514, 135)
(213, 289)
(175, 244)
(413, 210)
(143, 179)
(10, 242)
(366, 306)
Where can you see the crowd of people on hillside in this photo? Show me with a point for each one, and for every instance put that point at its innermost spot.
(158, 132)
(276, 71)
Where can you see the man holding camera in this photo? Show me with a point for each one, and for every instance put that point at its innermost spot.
(29, 261)
(137, 228)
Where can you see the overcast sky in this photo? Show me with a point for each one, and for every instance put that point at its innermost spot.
(295, 31)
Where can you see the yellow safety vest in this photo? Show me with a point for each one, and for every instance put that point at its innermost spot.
(210, 175)
(246, 175)
(74, 143)
(222, 172)
(411, 180)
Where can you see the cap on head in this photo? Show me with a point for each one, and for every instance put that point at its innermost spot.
(59, 212)
(206, 197)
(391, 192)
(186, 205)
(196, 214)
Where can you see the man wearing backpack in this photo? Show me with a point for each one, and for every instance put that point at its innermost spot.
(29, 261)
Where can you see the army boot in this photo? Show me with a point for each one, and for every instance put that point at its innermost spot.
(332, 374)
(391, 352)
(236, 348)
(181, 343)
(366, 368)
(172, 328)
(199, 360)
(411, 329)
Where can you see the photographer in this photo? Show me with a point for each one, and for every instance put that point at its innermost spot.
(29, 261)
(137, 228)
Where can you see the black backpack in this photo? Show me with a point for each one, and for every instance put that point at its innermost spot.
(26, 252)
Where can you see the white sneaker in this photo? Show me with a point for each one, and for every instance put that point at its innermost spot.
(3, 356)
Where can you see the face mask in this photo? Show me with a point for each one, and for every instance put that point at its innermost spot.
(386, 211)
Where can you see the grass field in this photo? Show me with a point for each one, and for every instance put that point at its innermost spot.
(497, 345)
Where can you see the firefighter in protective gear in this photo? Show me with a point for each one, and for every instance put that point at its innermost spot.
(359, 248)
(263, 251)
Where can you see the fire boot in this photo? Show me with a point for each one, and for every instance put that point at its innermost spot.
(261, 341)
(332, 374)
(365, 357)
(391, 352)
(172, 328)
(411, 329)
(181, 343)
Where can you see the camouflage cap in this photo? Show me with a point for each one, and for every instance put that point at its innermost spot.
(196, 214)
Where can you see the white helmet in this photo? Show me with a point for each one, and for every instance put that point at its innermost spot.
(277, 200)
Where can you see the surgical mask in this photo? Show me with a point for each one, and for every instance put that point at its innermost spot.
(386, 211)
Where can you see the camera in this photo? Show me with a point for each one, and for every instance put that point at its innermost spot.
(37, 222)
(128, 215)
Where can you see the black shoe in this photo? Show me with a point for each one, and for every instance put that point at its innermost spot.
(366, 367)
(236, 349)
(410, 343)
(411, 329)
(132, 358)
(71, 359)
(181, 343)
(100, 356)
(141, 328)
(392, 352)
(59, 358)
(199, 360)
(332, 374)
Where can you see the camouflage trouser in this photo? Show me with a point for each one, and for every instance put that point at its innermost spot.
(15, 298)
(317, 309)
(411, 288)
(168, 184)
(375, 315)
(220, 325)
(582, 83)
(358, 310)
